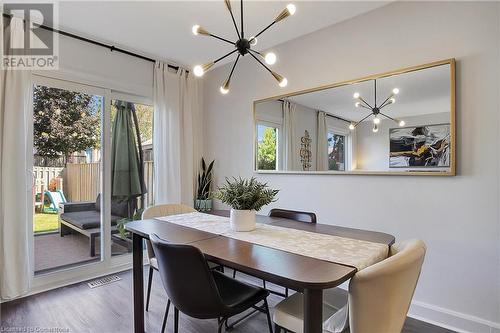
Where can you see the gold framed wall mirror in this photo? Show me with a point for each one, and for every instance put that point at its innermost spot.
(396, 123)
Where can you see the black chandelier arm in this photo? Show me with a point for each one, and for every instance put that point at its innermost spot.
(384, 103)
(234, 23)
(363, 106)
(259, 61)
(388, 117)
(225, 56)
(234, 66)
(362, 120)
(241, 10)
(263, 30)
(366, 103)
(222, 39)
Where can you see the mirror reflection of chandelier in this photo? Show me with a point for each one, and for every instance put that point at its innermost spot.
(376, 111)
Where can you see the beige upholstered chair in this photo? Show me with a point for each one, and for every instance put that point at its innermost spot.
(379, 296)
(158, 211)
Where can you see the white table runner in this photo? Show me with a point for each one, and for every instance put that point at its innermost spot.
(347, 251)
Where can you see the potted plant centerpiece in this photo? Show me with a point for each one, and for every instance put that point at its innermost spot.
(203, 201)
(245, 197)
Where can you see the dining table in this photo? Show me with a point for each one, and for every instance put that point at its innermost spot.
(291, 270)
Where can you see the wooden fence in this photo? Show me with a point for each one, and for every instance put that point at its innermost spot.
(81, 181)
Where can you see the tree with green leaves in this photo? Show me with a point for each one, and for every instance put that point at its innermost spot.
(266, 156)
(65, 122)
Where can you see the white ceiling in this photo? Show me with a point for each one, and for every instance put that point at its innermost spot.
(163, 28)
(421, 92)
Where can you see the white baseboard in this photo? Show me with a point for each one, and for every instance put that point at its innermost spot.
(453, 320)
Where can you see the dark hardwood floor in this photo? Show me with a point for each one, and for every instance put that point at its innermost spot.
(107, 309)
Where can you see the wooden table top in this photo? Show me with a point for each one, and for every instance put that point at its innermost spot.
(283, 268)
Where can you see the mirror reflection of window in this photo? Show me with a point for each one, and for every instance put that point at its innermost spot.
(336, 152)
(267, 147)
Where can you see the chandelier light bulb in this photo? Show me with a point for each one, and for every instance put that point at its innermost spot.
(198, 71)
(224, 89)
(357, 104)
(402, 123)
(395, 91)
(376, 120)
(253, 41)
(195, 29)
(375, 128)
(291, 8)
(270, 58)
(356, 95)
(283, 83)
(393, 100)
(351, 126)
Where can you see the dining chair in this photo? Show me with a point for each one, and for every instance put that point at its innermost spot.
(199, 292)
(159, 211)
(378, 299)
(306, 217)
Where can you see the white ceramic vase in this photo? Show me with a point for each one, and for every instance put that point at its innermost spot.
(242, 220)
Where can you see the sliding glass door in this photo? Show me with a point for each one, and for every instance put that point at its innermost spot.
(67, 155)
(78, 218)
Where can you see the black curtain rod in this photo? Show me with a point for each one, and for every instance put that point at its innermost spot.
(112, 48)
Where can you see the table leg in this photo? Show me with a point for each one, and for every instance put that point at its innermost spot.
(313, 311)
(138, 284)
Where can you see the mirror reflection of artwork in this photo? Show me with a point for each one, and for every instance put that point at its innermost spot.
(305, 151)
(421, 146)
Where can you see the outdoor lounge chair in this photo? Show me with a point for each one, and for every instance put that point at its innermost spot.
(85, 218)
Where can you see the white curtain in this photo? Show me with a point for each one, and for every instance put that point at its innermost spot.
(322, 143)
(177, 134)
(290, 149)
(16, 182)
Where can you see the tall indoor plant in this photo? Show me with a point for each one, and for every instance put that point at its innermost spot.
(245, 197)
(203, 200)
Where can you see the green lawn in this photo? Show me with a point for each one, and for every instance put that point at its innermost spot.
(45, 222)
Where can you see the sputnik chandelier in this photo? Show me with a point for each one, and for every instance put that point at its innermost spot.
(243, 46)
(376, 110)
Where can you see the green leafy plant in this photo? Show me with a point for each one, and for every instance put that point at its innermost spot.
(245, 194)
(120, 224)
(204, 180)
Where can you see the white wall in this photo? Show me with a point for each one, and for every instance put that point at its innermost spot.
(458, 217)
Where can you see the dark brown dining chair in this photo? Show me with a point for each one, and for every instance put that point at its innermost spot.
(306, 217)
(199, 292)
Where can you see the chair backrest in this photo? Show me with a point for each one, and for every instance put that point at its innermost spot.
(163, 210)
(380, 295)
(306, 217)
(187, 279)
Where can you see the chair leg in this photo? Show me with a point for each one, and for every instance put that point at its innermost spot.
(150, 280)
(176, 320)
(277, 328)
(286, 292)
(268, 314)
(221, 324)
(164, 325)
(264, 284)
(234, 274)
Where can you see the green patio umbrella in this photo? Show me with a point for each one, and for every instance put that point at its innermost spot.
(127, 181)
